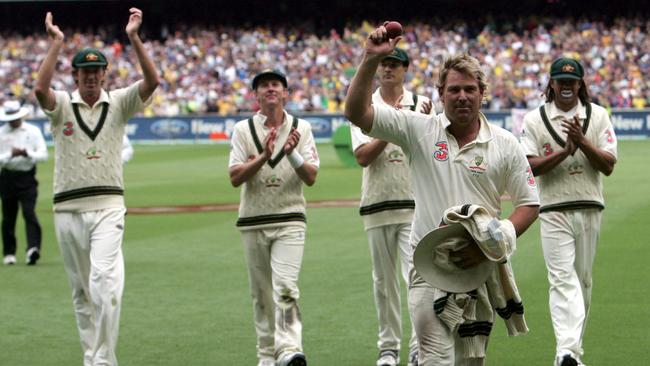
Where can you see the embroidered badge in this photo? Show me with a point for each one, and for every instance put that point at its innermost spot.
(477, 165)
(93, 153)
(442, 153)
(272, 181)
(547, 149)
(567, 68)
(395, 156)
(68, 129)
(575, 168)
(610, 136)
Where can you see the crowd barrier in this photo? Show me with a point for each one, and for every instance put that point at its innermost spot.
(208, 128)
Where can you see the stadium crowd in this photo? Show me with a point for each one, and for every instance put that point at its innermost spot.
(209, 70)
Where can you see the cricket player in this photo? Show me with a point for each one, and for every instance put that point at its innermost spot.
(570, 144)
(387, 207)
(456, 158)
(272, 154)
(87, 128)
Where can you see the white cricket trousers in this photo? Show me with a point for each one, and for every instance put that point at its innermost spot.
(390, 248)
(91, 246)
(274, 257)
(569, 241)
(439, 345)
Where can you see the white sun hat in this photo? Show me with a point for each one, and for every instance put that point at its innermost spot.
(432, 260)
(12, 110)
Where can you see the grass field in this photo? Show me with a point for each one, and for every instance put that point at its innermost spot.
(186, 299)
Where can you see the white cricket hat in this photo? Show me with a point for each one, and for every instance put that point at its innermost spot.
(432, 261)
(12, 110)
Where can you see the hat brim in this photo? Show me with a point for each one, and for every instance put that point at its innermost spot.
(390, 57)
(566, 76)
(268, 75)
(451, 279)
(90, 64)
(13, 116)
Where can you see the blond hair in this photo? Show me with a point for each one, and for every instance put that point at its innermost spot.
(464, 64)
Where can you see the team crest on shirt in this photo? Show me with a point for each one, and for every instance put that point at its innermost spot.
(442, 151)
(575, 168)
(272, 181)
(68, 129)
(395, 156)
(477, 165)
(93, 153)
(610, 136)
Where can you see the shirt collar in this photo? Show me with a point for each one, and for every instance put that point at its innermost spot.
(555, 112)
(407, 98)
(485, 129)
(76, 98)
(406, 101)
(259, 117)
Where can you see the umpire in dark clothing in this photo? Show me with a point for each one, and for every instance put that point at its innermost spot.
(21, 146)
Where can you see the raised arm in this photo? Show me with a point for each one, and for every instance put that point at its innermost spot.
(149, 71)
(43, 91)
(358, 108)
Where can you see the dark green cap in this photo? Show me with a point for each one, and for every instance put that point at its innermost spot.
(567, 68)
(89, 57)
(269, 74)
(399, 55)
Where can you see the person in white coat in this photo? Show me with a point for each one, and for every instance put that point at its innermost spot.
(22, 146)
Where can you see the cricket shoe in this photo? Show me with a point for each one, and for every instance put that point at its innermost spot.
(293, 359)
(388, 357)
(9, 259)
(567, 360)
(32, 256)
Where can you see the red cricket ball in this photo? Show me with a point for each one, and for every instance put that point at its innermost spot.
(393, 29)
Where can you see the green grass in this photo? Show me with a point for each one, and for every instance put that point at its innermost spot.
(186, 299)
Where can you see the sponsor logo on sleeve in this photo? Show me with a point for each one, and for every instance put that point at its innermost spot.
(530, 177)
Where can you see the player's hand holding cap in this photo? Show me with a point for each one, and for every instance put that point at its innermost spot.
(432, 260)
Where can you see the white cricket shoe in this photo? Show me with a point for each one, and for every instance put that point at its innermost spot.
(9, 259)
(388, 357)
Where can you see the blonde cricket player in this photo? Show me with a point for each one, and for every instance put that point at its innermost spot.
(387, 206)
(456, 158)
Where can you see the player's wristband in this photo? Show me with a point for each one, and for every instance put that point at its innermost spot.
(295, 159)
